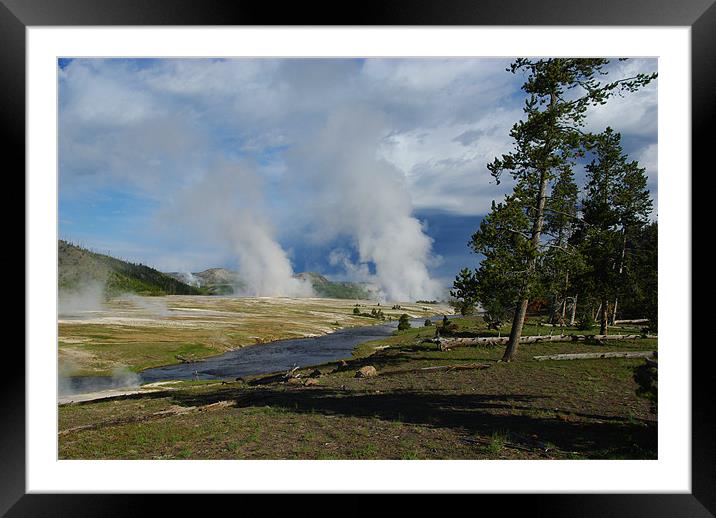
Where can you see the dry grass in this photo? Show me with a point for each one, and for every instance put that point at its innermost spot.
(153, 331)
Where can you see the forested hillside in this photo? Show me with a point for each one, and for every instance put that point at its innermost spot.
(79, 267)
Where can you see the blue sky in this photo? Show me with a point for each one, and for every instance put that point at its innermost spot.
(361, 169)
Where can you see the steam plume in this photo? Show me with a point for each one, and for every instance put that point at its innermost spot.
(363, 196)
(225, 207)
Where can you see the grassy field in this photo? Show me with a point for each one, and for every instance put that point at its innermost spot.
(141, 332)
(577, 409)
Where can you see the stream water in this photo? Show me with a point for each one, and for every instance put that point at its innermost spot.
(276, 356)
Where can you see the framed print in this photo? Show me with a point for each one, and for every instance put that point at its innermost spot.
(416, 250)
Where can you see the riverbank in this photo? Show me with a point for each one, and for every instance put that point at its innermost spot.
(526, 409)
(138, 333)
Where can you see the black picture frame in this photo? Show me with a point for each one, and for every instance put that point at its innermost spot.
(700, 15)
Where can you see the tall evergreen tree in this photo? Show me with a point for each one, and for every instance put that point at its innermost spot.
(465, 291)
(546, 144)
(616, 203)
(503, 239)
(638, 296)
(561, 259)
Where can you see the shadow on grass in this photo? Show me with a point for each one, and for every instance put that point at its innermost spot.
(592, 436)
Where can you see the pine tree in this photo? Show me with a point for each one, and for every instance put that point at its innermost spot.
(546, 145)
(561, 259)
(616, 203)
(638, 294)
(465, 291)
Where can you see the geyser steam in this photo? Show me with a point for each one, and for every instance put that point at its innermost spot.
(225, 207)
(363, 196)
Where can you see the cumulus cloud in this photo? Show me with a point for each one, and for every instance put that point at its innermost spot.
(446, 166)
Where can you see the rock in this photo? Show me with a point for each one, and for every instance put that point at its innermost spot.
(366, 372)
(342, 366)
(310, 382)
(294, 381)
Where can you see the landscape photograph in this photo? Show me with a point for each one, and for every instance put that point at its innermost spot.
(357, 258)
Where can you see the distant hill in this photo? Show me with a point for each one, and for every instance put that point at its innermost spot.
(79, 267)
(337, 290)
(222, 281)
(214, 281)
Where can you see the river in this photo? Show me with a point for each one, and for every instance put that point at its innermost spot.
(276, 356)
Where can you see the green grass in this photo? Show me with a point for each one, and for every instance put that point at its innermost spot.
(579, 409)
(496, 443)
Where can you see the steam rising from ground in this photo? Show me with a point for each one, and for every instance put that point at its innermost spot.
(155, 306)
(225, 208)
(360, 195)
(349, 190)
(68, 384)
(87, 297)
(190, 279)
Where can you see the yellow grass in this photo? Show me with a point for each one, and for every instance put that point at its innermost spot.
(150, 331)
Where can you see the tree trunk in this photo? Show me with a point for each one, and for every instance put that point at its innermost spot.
(446, 344)
(555, 311)
(590, 356)
(574, 311)
(603, 327)
(516, 331)
(521, 311)
(614, 311)
(621, 269)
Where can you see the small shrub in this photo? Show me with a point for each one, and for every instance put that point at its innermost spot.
(449, 329)
(356, 311)
(586, 323)
(428, 322)
(497, 443)
(492, 321)
(403, 322)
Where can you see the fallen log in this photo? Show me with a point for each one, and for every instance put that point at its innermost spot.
(589, 356)
(633, 321)
(487, 442)
(276, 378)
(174, 410)
(464, 366)
(450, 343)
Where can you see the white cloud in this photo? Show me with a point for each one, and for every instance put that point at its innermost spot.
(648, 158)
(446, 166)
(631, 113)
